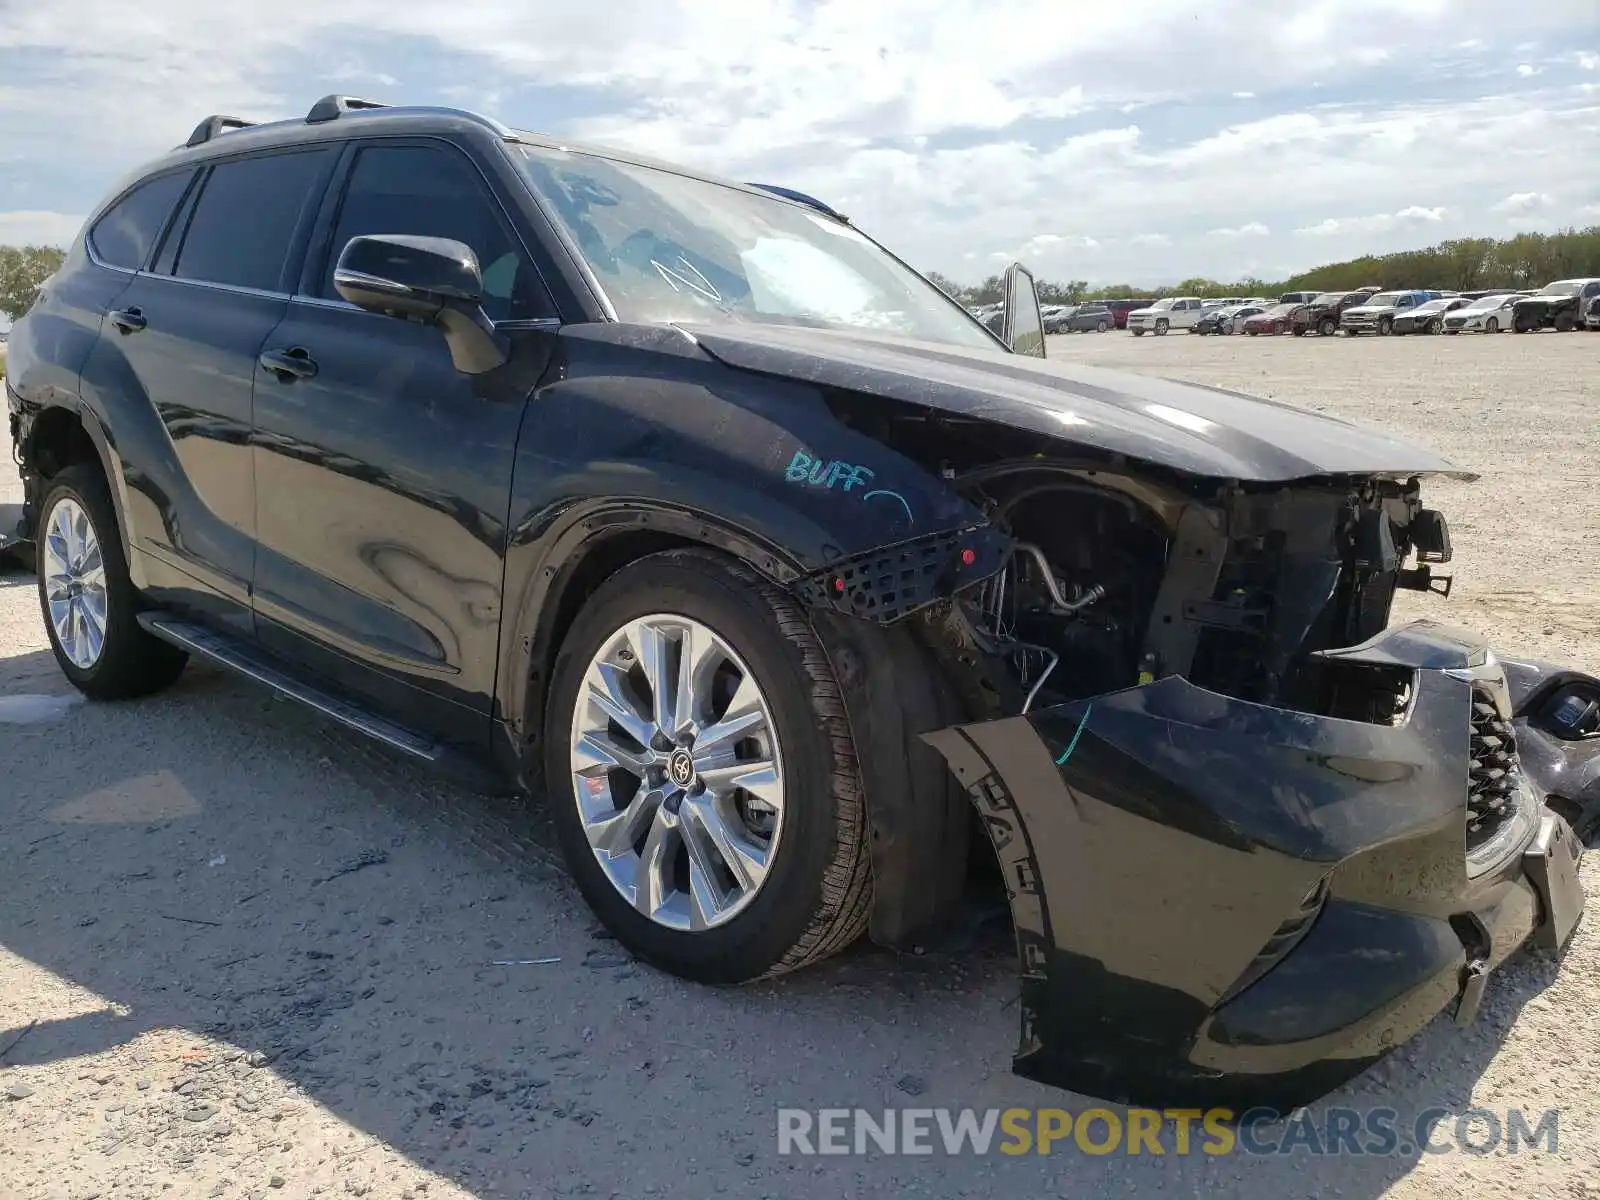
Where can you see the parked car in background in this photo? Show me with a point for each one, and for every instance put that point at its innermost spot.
(1428, 317)
(1121, 308)
(1490, 313)
(1377, 314)
(1228, 319)
(1298, 297)
(1323, 311)
(1095, 315)
(1055, 316)
(1273, 320)
(1560, 306)
(1175, 312)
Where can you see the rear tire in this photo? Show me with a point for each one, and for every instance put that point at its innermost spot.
(814, 895)
(1138, 333)
(1102, 327)
(87, 597)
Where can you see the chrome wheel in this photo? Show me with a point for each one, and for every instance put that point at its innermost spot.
(75, 584)
(677, 772)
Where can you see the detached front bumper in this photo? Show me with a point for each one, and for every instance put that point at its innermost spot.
(1218, 902)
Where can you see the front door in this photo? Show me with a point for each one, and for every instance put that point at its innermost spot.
(382, 474)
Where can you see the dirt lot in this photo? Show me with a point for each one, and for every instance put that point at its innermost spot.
(246, 955)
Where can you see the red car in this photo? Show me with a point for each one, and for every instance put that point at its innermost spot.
(1274, 320)
(1121, 308)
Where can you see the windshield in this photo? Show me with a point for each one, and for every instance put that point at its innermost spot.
(668, 247)
(1330, 298)
(1162, 305)
(1566, 287)
(1383, 298)
(1278, 310)
(1433, 305)
(1486, 302)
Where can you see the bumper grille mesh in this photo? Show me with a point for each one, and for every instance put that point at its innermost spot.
(1492, 773)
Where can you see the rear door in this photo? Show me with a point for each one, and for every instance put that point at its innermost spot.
(180, 345)
(382, 473)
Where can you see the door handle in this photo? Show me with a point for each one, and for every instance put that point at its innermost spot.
(291, 364)
(127, 320)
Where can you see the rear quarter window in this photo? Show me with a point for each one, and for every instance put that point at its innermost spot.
(127, 231)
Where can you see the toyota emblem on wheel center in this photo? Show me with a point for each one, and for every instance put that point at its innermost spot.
(681, 767)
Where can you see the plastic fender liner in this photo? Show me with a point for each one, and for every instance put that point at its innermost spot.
(1154, 839)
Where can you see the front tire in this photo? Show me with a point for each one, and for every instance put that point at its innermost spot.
(1385, 326)
(1326, 327)
(1492, 325)
(1565, 322)
(716, 828)
(1161, 328)
(87, 597)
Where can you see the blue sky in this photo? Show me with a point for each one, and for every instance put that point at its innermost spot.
(1111, 142)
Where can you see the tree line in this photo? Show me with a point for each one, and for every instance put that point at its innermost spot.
(1528, 260)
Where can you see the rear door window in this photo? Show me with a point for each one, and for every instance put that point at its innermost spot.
(246, 219)
(125, 235)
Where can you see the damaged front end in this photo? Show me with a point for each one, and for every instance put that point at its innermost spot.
(1253, 839)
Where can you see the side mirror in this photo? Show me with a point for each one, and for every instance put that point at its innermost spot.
(433, 281)
(1021, 327)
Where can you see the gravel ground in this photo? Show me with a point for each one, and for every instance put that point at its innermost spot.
(248, 955)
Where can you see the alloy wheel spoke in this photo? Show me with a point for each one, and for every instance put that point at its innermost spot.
(608, 691)
(597, 753)
(745, 715)
(619, 833)
(653, 647)
(744, 859)
(653, 880)
(705, 891)
(759, 778)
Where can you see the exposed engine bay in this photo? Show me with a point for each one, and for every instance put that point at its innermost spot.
(1114, 581)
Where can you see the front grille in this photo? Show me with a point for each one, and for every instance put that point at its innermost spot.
(1492, 774)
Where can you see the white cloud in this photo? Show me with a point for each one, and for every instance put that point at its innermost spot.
(1528, 70)
(1589, 62)
(948, 129)
(1251, 229)
(1414, 215)
(1522, 203)
(23, 227)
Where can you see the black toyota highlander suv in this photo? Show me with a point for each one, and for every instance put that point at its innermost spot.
(764, 564)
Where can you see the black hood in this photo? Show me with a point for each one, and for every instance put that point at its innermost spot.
(1201, 430)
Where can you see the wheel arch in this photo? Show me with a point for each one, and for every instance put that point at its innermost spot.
(918, 821)
(59, 436)
(588, 545)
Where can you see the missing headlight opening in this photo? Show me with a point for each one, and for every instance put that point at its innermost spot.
(1113, 581)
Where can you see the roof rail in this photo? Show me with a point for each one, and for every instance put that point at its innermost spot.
(801, 198)
(212, 126)
(331, 108)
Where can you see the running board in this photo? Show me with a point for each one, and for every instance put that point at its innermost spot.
(252, 664)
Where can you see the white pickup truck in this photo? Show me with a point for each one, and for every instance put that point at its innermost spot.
(1175, 312)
